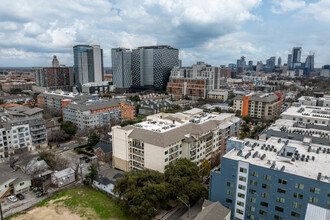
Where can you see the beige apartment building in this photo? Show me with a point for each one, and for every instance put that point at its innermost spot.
(259, 105)
(164, 138)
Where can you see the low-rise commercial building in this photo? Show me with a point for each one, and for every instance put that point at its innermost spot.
(11, 86)
(52, 100)
(273, 179)
(164, 138)
(259, 105)
(315, 101)
(97, 87)
(97, 112)
(218, 95)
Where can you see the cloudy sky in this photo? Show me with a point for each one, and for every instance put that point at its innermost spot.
(215, 31)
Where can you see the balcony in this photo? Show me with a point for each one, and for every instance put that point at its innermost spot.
(137, 152)
(173, 150)
(173, 156)
(137, 159)
(137, 146)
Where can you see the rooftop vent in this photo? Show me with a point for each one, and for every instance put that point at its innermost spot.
(263, 156)
(282, 168)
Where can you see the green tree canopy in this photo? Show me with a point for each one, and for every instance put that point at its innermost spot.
(205, 168)
(93, 139)
(69, 128)
(185, 182)
(142, 191)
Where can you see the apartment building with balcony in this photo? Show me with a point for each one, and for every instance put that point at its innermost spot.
(21, 128)
(273, 179)
(259, 105)
(97, 112)
(164, 138)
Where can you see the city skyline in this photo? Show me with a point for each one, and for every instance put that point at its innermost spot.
(216, 32)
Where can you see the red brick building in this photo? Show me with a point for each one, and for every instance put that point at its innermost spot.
(193, 88)
(54, 77)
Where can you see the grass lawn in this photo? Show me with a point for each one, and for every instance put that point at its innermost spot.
(87, 203)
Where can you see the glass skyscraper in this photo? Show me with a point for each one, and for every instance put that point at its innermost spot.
(88, 64)
(121, 67)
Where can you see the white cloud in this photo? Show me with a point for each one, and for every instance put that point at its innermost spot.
(320, 10)
(285, 6)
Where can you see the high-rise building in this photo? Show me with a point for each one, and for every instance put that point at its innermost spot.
(273, 179)
(279, 62)
(54, 77)
(121, 68)
(88, 64)
(152, 65)
(55, 62)
(309, 64)
(250, 64)
(296, 55)
(290, 61)
(270, 63)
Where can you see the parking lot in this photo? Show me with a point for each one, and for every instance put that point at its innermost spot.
(9, 208)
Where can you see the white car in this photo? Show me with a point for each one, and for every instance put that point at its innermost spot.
(12, 198)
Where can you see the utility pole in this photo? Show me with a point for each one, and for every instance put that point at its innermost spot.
(1, 211)
(188, 205)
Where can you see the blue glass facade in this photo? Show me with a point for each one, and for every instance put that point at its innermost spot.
(265, 193)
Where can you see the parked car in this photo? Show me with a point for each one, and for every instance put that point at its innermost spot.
(12, 198)
(20, 196)
(88, 160)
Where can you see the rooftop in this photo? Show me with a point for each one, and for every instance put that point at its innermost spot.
(164, 129)
(94, 104)
(290, 156)
(259, 97)
(65, 94)
(321, 113)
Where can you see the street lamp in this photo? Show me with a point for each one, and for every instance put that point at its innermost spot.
(188, 205)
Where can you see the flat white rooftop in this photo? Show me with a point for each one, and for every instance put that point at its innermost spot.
(163, 122)
(290, 156)
(304, 111)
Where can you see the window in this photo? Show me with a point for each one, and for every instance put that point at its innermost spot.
(241, 195)
(253, 200)
(298, 196)
(166, 152)
(249, 216)
(282, 191)
(239, 211)
(229, 200)
(280, 209)
(281, 181)
(299, 186)
(265, 186)
(265, 195)
(252, 191)
(242, 170)
(296, 205)
(262, 212)
(295, 214)
(315, 190)
(328, 205)
(229, 192)
(267, 177)
(313, 200)
(255, 174)
(241, 187)
(264, 204)
(241, 178)
(276, 217)
(240, 203)
(229, 184)
(252, 208)
(253, 183)
(281, 200)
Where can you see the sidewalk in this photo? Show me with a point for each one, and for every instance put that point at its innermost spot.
(194, 210)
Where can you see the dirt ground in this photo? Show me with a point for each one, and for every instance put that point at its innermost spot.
(50, 212)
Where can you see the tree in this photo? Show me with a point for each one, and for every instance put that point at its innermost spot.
(135, 98)
(142, 191)
(69, 128)
(215, 160)
(183, 177)
(205, 168)
(93, 139)
(92, 174)
(217, 109)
